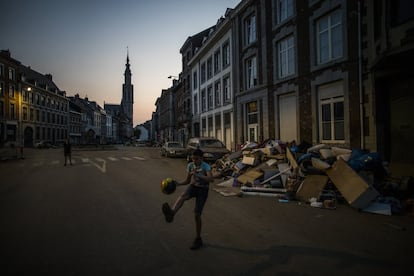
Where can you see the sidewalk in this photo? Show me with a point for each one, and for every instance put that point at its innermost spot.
(10, 153)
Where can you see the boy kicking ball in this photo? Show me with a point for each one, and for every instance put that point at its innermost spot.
(199, 176)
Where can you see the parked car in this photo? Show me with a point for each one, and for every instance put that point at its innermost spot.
(173, 149)
(44, 145)
(213, 148)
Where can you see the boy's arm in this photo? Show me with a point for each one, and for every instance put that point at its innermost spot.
(186, 181)
(208, 177)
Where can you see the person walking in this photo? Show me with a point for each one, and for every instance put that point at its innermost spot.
(199, 176)
(67, 150)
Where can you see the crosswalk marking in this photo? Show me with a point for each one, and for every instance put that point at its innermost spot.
(82, 160)
(139, 158)
(37, 164)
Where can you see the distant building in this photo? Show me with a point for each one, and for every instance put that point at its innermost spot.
(122, 115)
(144, 135)
(32, 107)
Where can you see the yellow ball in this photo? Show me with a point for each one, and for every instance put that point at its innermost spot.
(168, 185)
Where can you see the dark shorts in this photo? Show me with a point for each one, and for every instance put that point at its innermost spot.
(200, 195)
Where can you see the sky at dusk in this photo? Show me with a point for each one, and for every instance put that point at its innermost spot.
(83, 43)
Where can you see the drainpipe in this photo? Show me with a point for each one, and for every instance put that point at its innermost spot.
(361, 96)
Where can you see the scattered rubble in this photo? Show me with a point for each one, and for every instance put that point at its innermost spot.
(320, 175)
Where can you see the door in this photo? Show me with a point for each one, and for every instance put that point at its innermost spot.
(252, 133)
(288, 118)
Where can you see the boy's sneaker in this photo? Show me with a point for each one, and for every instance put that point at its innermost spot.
(168, 213)
(198, 243)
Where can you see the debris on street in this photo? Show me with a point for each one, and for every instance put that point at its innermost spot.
(320, 175)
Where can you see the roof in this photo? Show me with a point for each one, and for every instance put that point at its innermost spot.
(39, 80)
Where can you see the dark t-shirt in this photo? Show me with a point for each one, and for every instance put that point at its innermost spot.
(67, 147)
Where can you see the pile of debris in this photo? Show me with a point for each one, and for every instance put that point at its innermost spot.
(320, 175)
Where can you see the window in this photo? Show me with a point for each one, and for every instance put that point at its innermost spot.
(210, 97)
(195, 104)
(31, 114)
(226, 54)
(217, 93)
(195, 80)
(11, 91)
(250, 29)
(1, 70)
(332, 119)
(286, 54)
(1, 109)
(331, 113)
(251, 73)
(12, 112)
(209, 67)
(401, 11)
(217, 67)
(25, 95)
(329, 37)
(227, 119)
(203, 100)
(11, 74)
(283, 9)
(217, 121)
(203, 72)
(25, 113)
(226, 89)
(252, 113)
(1, 88)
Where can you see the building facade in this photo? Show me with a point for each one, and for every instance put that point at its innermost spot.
(10, 97)
(387, 51)
(212, 90)
(32, 107)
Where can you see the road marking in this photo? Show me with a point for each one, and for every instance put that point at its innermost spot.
(126, 158)
(37, 164)
(100, 159)
(139, 158)
(112, 159)
(85, 160)
(102, 167)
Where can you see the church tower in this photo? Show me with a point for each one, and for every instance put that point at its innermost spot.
(127, 103)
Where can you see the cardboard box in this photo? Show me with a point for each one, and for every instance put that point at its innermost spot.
(312, 186)
(291, 159)
(353, 188)
(249, 177)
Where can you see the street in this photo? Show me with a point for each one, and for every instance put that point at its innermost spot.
(102, 216)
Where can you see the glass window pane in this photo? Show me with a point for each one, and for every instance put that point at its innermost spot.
(337, 42)
(323, 24)
(326, 113)
(323, 47)
(336, 18)
(339, 130)
(252, 107)
(326, 131)
(338, 111)
(252, 119)
(291, 59)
